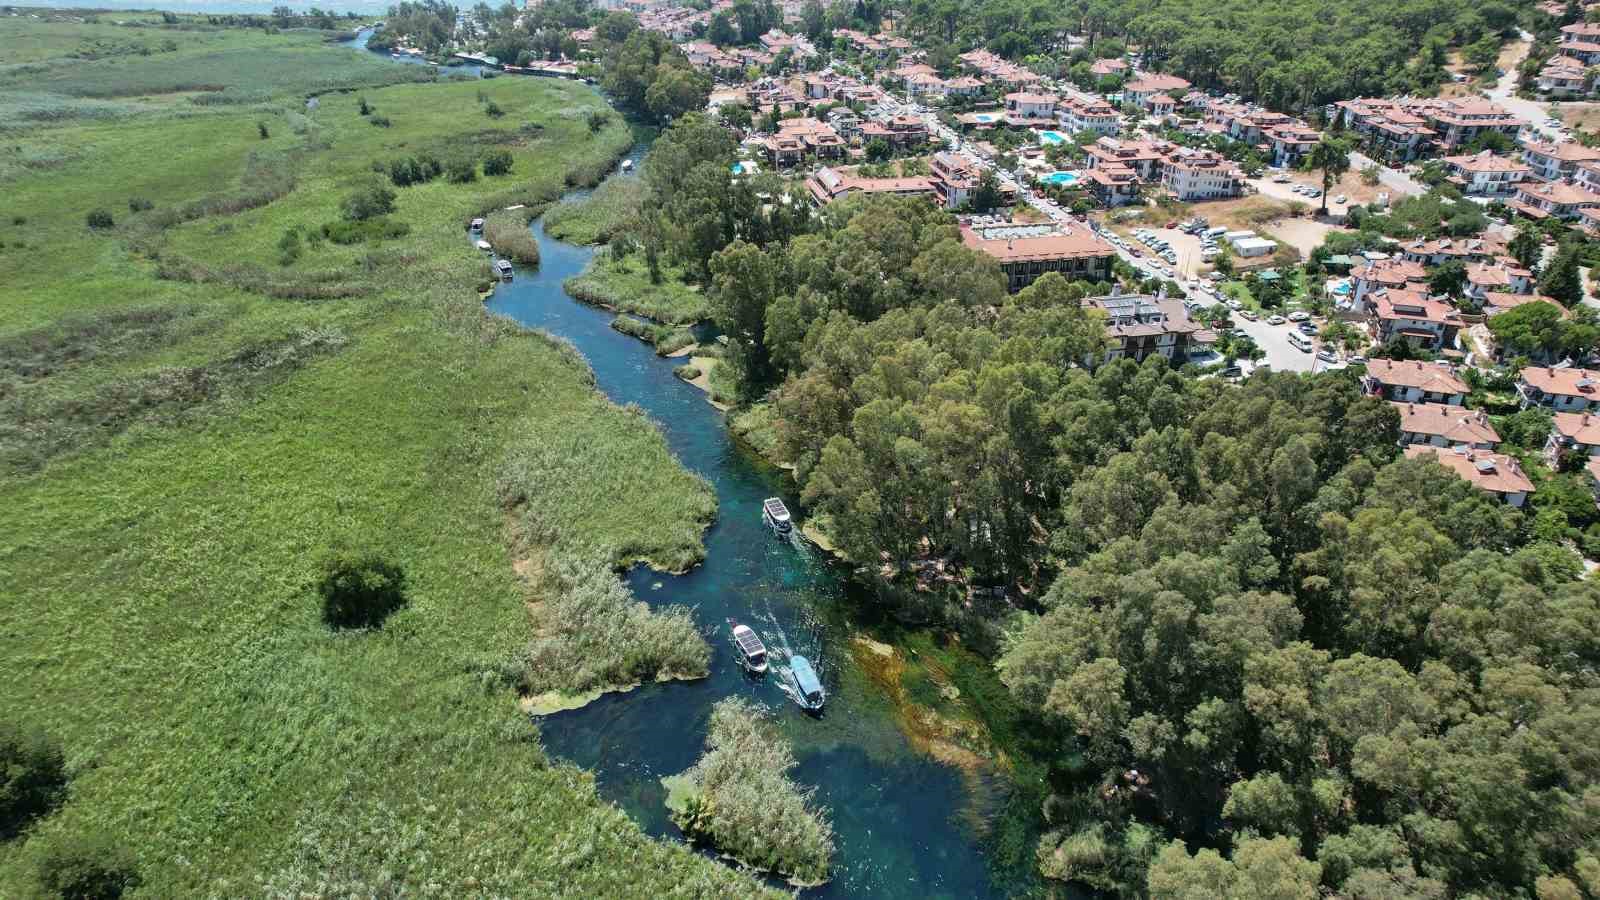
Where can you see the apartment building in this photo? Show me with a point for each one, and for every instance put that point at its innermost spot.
(1026, 252)
(1485, 173)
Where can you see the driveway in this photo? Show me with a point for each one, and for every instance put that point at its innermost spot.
(1274, 339)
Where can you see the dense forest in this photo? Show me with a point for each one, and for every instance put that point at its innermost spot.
(1270, 657)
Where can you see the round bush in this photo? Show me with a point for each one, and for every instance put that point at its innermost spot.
(33, 778)
(359, 590)
(87, 869)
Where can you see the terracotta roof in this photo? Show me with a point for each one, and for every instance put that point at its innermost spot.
(1497, 302)
(1069, 243)
(1579, 428)
(1566, 151)
(1487, 471)
(1569, 382)
(1485, 161)
(1413, 305)
(1422, 376)
(1453, 423)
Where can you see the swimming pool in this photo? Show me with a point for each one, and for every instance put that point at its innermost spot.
(985, 118)
(1052, 137)
(1065, 179)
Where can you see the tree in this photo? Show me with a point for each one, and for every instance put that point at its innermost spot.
(675, 91)
(497, 162)
(877, 150)
(359, 590)
(986, 196)
(33, 778)
(87, 868)
(1561, 279)
(368, 201)
(1527, 245)
(1331, 156)
(744, 279)
(1448, 278)
(99, 219)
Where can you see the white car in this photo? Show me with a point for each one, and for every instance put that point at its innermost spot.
(1276, 320)
(1299, 315)
(1235, 305)
(1339, 199)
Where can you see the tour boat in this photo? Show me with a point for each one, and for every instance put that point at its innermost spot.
(776, 515)
(808, 693)
(477, 226)
(627, 165)
(503, 266)
(484, 246)
(752, 653)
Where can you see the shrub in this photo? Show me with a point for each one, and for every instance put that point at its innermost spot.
(687, 371)
(740, 799)
(380, 121)
(423, 167)
(139, 204)
(100, 219)
(87, 869)
(289, 247)
(379, 229)
(368, 202)
(493, 109)
(261, 129)
(359, 590)
(462, 171)
(33, 778)
(498, 162)
(598, 120)
(362, 103)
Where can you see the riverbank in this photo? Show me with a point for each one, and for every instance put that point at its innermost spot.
(199, 441)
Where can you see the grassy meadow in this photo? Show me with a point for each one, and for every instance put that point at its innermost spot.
(193, 416)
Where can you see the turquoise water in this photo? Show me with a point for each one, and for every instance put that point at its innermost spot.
(1052, 137)
(1064, 178)
(986, 117)
(903, 822)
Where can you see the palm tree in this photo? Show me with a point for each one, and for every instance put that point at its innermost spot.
(1332, 156)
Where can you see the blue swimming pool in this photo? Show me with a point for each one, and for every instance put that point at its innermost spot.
(1052, 137)
(1066, 179)
(986, 118)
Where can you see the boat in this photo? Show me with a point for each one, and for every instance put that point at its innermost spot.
(484, 246)
(627, 165)
(752, 653)
(477, 226)
(503, 266)
(776, 515)
(808, 693)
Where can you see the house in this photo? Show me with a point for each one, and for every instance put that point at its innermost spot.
(898, 132)
(955, 178)
(1102, 68)
(1082, 113)
(1139, 326)
(1493, 473)
(1024, 109)
(1390, 131)
(1160, 105)
(1553, 162)
(827, 185)
(1484, 173)
(1497, 302)
(1501, 276)
(1391, 274)
(1414, 317)
(1025, 252)
(1572, 432)
(1143, 157)
(798, 138)
(1443, 425)
(1557, 199)
(1580, 42)
(1564, 76)
(1141, 90)
(1291, 143)
(1457, 122)
(1190, 175)
(1413, 381)
(1439, 251)
(1563, 390)
(1112, 184)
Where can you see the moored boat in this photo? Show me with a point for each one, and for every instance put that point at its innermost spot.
(484, 246)
(776, 515)
(807, 687)
(752, 653)
(503, 266)
(477, 226)
(627, 165)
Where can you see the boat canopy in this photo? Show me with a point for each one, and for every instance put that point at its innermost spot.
(805, 678)
(776, 510)
(749, 643)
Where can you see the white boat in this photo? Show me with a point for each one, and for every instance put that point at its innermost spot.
(776, 515)
(503, 266)
(477, 226)
(752, 653)
(484, 246)
(806, 686)
(627, 165)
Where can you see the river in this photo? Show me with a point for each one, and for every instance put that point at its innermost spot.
(904, 824)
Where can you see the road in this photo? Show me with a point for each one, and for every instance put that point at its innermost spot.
(1505, 93)
(1395, 180)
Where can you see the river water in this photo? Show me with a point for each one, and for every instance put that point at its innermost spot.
(905, 826)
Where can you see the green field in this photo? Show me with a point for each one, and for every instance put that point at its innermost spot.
(191, 421)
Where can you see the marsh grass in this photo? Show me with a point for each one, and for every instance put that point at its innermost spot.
(740, 799)
(507, 231)
(159, 615)
(624, 285)
(666, 339)
(592, 634)
(599, 217)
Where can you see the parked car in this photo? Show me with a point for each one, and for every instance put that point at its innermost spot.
(1327, 356)
(1299, 315)
(1339, 199)
(1308, 328)
(1276, 320)
(1235, 305)
(1249, 314)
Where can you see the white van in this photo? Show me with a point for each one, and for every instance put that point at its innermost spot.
(1300, 341)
